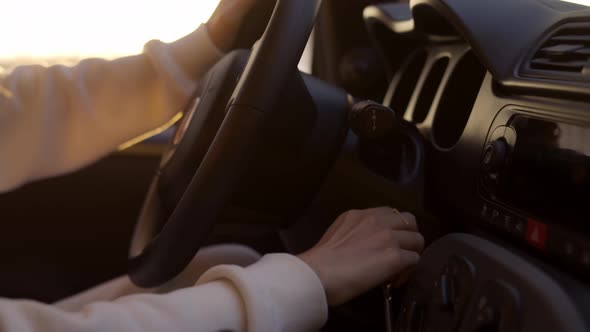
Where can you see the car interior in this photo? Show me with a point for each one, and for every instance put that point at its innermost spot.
(472, 114)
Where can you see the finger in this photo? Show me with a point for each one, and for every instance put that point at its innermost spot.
(408, 240)
(407, 259)
(404, 221)
(380, 211)
(396, 220)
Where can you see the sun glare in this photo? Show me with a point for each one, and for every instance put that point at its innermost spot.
(579, 2)
(104, 28)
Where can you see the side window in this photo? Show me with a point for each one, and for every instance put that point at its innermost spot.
(306, 62)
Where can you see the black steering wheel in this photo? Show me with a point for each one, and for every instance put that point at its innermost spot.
(219, 140)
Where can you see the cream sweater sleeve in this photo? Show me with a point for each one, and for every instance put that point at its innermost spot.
(279, 293)
(58, 119)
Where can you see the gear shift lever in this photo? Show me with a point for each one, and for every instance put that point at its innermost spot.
(371, 121)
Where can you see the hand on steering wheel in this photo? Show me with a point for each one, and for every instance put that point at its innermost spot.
(226, 20)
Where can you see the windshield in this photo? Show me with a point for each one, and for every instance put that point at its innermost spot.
(62, 31)
(579, 2)
(67, 31)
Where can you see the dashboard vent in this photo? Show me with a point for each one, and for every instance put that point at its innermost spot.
(404, 83)
(565, 53)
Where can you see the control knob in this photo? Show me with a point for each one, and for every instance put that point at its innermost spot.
(495, 156)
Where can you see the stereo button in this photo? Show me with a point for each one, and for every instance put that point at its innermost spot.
(519, 227)
(514, 225)
(495, 214)
(536, 234)
(484, 211)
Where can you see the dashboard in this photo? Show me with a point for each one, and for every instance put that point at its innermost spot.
(500, 91)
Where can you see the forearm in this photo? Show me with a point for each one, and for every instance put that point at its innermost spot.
(278, 293)
(215, 306)
(58, 119)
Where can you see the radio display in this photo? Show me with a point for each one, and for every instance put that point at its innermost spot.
(549, 171)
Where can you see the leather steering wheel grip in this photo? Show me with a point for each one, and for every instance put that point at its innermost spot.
(271, 64)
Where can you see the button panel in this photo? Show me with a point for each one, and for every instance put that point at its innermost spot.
(570, 247)
(504, 220)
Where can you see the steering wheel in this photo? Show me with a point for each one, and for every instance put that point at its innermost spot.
(217, 142)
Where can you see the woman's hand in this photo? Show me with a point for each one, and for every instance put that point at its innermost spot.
(226, 20)
(363, 249)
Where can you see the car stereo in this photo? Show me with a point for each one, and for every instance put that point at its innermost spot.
(535, 182)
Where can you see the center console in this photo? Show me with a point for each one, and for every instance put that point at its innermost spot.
(528, 215)
(535, 184)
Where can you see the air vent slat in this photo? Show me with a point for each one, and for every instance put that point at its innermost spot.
(572, 39)
(583, 51)
(565, 54)
(550, 64)
(561, 49)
